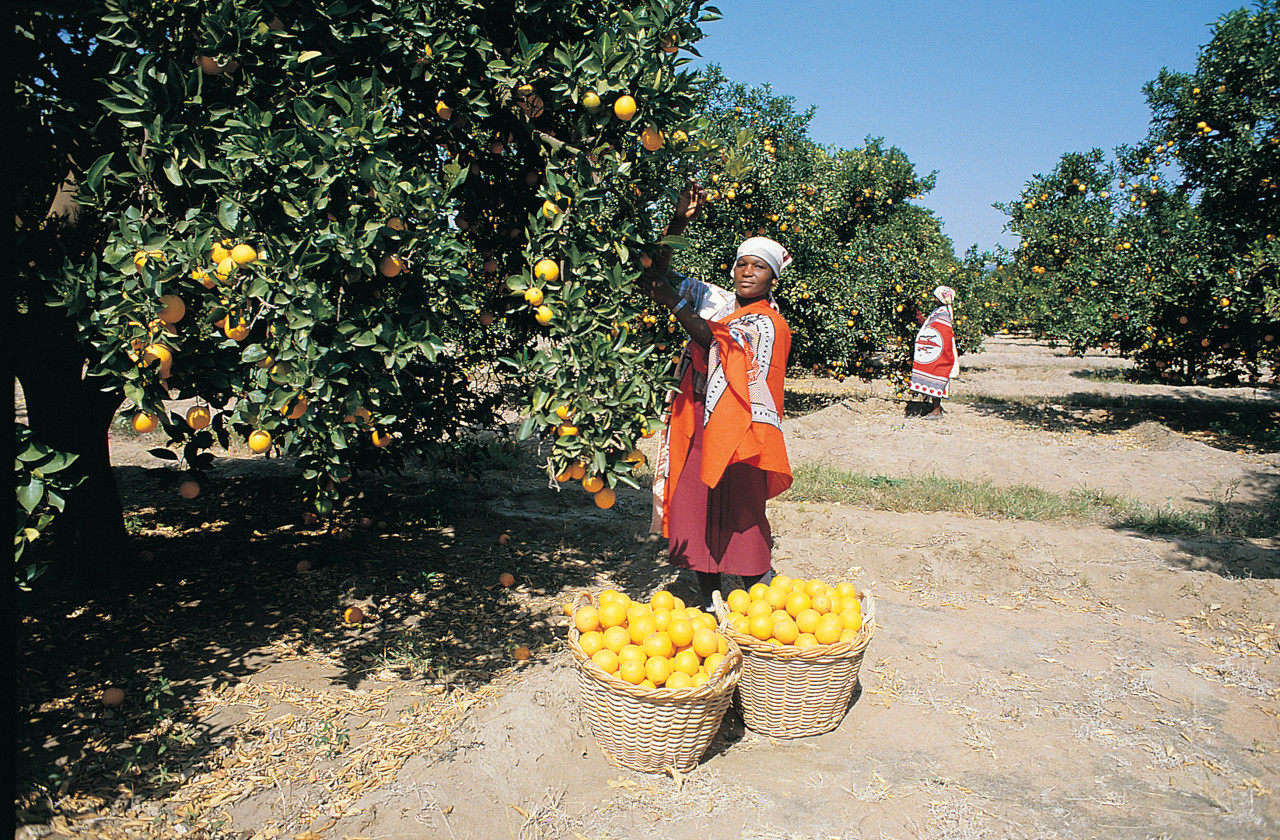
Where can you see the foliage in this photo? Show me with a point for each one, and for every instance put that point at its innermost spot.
(398, 169)
(1169, 254)
(42, 477)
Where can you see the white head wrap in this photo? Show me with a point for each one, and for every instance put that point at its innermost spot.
(945, 294)
(766, 249)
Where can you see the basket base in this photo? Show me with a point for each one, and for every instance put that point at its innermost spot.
(801, 729)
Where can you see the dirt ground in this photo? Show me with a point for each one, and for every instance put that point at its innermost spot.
(1026, 680)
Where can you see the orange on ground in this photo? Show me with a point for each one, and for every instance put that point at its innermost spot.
(112, 697)
(353, 615)
(189, 489)
(521, 653)
(507, 579)
(586, 618)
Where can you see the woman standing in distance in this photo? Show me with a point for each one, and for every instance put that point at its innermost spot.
(935, 361)
(722, 454)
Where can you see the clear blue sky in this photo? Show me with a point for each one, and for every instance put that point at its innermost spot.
(987, 92)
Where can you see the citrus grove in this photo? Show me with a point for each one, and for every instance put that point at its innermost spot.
(1169, 253)
(326, 222)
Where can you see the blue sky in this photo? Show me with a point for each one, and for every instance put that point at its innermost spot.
(987, 92)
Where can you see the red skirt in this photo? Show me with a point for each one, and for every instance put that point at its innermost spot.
(721, 528)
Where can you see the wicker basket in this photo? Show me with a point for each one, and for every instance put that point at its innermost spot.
(653, 730)
(789, 692)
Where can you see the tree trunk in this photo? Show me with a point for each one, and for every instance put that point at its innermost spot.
(71, 413)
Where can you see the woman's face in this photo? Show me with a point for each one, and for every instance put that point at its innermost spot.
(752, 278)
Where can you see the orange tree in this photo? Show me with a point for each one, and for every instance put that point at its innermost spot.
(1170, 255)
(325, 222)
(865, 257)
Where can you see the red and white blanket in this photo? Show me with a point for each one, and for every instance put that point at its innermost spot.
(935, 360)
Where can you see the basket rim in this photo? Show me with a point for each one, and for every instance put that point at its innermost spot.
(724, 678)
(835, 650)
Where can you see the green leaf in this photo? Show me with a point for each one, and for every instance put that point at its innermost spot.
(93, 177)
(30, 494)
(163, 454)
(228, 215)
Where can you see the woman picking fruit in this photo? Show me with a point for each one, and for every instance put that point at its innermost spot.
(722, 455)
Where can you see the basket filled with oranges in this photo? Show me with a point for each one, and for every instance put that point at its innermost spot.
(654, 678)
(802, 646)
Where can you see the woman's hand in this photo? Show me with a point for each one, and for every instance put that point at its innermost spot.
(693, 198)
(654, 286)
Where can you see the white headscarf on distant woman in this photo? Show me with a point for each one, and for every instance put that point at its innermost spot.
(945, 294)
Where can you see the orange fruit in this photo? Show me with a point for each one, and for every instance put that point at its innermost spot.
(797, 602)
(652, 139)
(353, 615)
(680, 679)
(662, 599)
(640, 629)
(851, 618)
(805, 640)
(741, 623)
(443, 111)
(577, 470)
(174, 309)
(380, 438)
(225, 268)
(632, 653)
(533, 297)
(624, 108)
(706, 641)
(295, 411)
(521, 653)
(798, 584)
(702, 621)
(593, 484)
(587, 618)
(158, 353)
(606, 659)
(761, 626)
(661, 618)
(591, 641)
(236, 330)
(847, 635)
(777, 597)
(712, 662)
(546, 270)
(739, 600)
(616, 638)
(808, 620)
(657, 669)
(632, 671)
(822, 602)
(638, 609)
(606, 498)
(687, 661)
(112, 697)
(847, 590)
(145, 421)
(781, 580)
(612, 615)
(243, 254)
(259, 441)
(837, 603)
(785, 631)
(829, 629)
(658, 643)
(189, 489)
(815, 586)
(756, 608)
(758, 591)
(679, 603)
(390, 265)
(507, 579)
(681, 631)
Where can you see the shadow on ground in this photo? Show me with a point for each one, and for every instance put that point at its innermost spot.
(230, 580)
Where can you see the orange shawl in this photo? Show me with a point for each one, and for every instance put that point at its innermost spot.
(745, 370)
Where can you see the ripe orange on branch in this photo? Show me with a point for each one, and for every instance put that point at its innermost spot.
(624, 108)
(259, 441)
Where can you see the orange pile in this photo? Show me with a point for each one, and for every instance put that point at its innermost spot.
(661, 644)
(799, 613)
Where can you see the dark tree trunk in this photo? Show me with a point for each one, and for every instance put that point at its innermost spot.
(66, 410)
